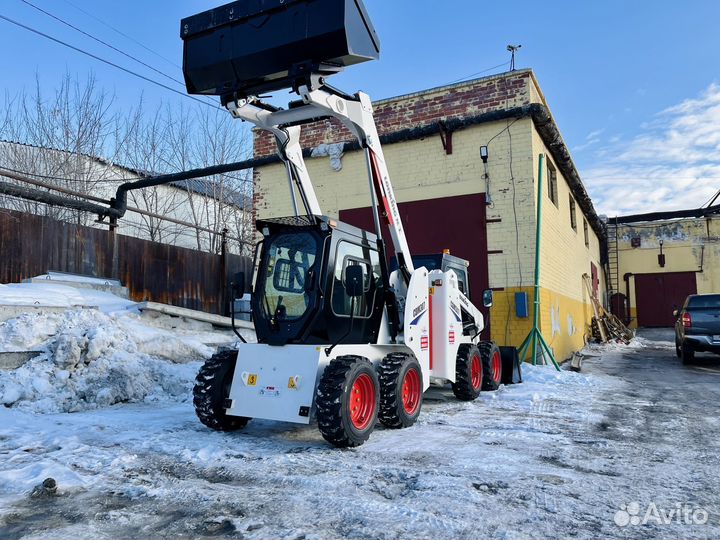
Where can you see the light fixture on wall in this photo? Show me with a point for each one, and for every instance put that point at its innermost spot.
(484, 156)
(661, 256)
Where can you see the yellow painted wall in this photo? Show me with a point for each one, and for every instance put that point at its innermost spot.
(421, 170)
(688, 245)
(566, 311)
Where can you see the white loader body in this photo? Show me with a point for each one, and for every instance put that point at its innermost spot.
(280, 383)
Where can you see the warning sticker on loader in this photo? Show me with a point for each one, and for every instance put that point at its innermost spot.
(252, 379)
(292, 383)
(270, 391)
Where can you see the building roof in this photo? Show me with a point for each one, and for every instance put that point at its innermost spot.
(200, 186)
(708, 211)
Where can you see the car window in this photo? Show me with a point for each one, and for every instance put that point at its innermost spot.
(705, 301)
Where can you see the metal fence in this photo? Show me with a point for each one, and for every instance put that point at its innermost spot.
(31, 245)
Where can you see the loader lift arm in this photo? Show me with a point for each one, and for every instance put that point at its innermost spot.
(319, 100)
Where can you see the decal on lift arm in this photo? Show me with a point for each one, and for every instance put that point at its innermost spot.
(456, 310)
(418, 312)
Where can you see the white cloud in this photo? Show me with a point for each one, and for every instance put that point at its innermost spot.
(592, 138)
(673, 164)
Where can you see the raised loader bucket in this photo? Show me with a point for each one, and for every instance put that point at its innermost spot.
(254, 46)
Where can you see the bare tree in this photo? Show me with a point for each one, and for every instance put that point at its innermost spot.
(144, 151)
(56, 138)
(60, 139)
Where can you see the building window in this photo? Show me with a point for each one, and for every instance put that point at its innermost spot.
(573, 216)
(552, 183)
(585, 232)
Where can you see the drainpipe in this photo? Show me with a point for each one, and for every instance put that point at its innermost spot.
(626, 278)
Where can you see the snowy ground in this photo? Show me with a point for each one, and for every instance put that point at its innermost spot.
(555, 457)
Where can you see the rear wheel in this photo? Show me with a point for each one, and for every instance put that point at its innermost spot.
(492, 365)
(212, 388)
(401, 390)
(347, 401)
(468, 373)
(687, 353)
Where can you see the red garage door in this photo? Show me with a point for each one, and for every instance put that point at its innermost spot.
(657, 295)
(455, 223)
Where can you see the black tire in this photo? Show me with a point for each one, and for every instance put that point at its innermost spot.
(491, 365)
(401, 390)
(335, 408)
(687, 353)
(464, 388)
(212, 387)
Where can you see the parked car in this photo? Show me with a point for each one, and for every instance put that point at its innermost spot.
(697, 327)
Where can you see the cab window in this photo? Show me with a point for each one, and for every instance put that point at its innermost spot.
(349, 254)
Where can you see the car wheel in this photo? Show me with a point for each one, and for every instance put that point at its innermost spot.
(687, 353)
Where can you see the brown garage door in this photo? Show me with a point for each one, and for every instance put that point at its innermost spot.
(658, 295)
(456, 223)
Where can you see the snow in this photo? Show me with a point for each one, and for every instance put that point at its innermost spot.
(93, 358)
(426, 479)
(54, 295)
(77, 278)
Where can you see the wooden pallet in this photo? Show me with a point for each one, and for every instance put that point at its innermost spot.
(606, 326)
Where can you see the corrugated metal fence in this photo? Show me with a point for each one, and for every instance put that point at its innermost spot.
(31, 245)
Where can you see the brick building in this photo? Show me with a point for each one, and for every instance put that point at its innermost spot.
(432, 140)
(656, 260)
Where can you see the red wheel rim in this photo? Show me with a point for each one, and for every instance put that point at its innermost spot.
(411, 391)
(362, 401)
(476, 371)
(496, 366)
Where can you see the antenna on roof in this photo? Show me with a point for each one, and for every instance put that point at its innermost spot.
(513, 49)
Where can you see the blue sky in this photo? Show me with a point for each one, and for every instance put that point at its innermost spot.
(633, 85)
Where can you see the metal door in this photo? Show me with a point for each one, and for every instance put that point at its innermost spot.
(657, 295)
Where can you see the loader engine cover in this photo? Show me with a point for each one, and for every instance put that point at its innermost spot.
(250, 46)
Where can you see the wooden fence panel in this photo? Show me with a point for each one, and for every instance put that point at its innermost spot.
(31, 245)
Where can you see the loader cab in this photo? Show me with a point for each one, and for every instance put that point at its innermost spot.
(444, 262)
(301, 294)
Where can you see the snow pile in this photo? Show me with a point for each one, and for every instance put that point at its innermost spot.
(91, 359)
(648, 338)
(54, 295)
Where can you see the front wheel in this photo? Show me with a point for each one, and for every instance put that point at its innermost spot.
(687, 353)
(492, 365)
(468, 373)
(347, 401)
(212, 388)
(401, 390)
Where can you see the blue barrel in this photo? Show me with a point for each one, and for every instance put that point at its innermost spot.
(253, 46)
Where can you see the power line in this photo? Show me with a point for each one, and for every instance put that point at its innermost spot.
(111, 27)
(712, 199)
(478, 73)
(108, 62)
(70, 25)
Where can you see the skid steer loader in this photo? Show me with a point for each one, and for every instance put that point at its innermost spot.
(342, 340)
